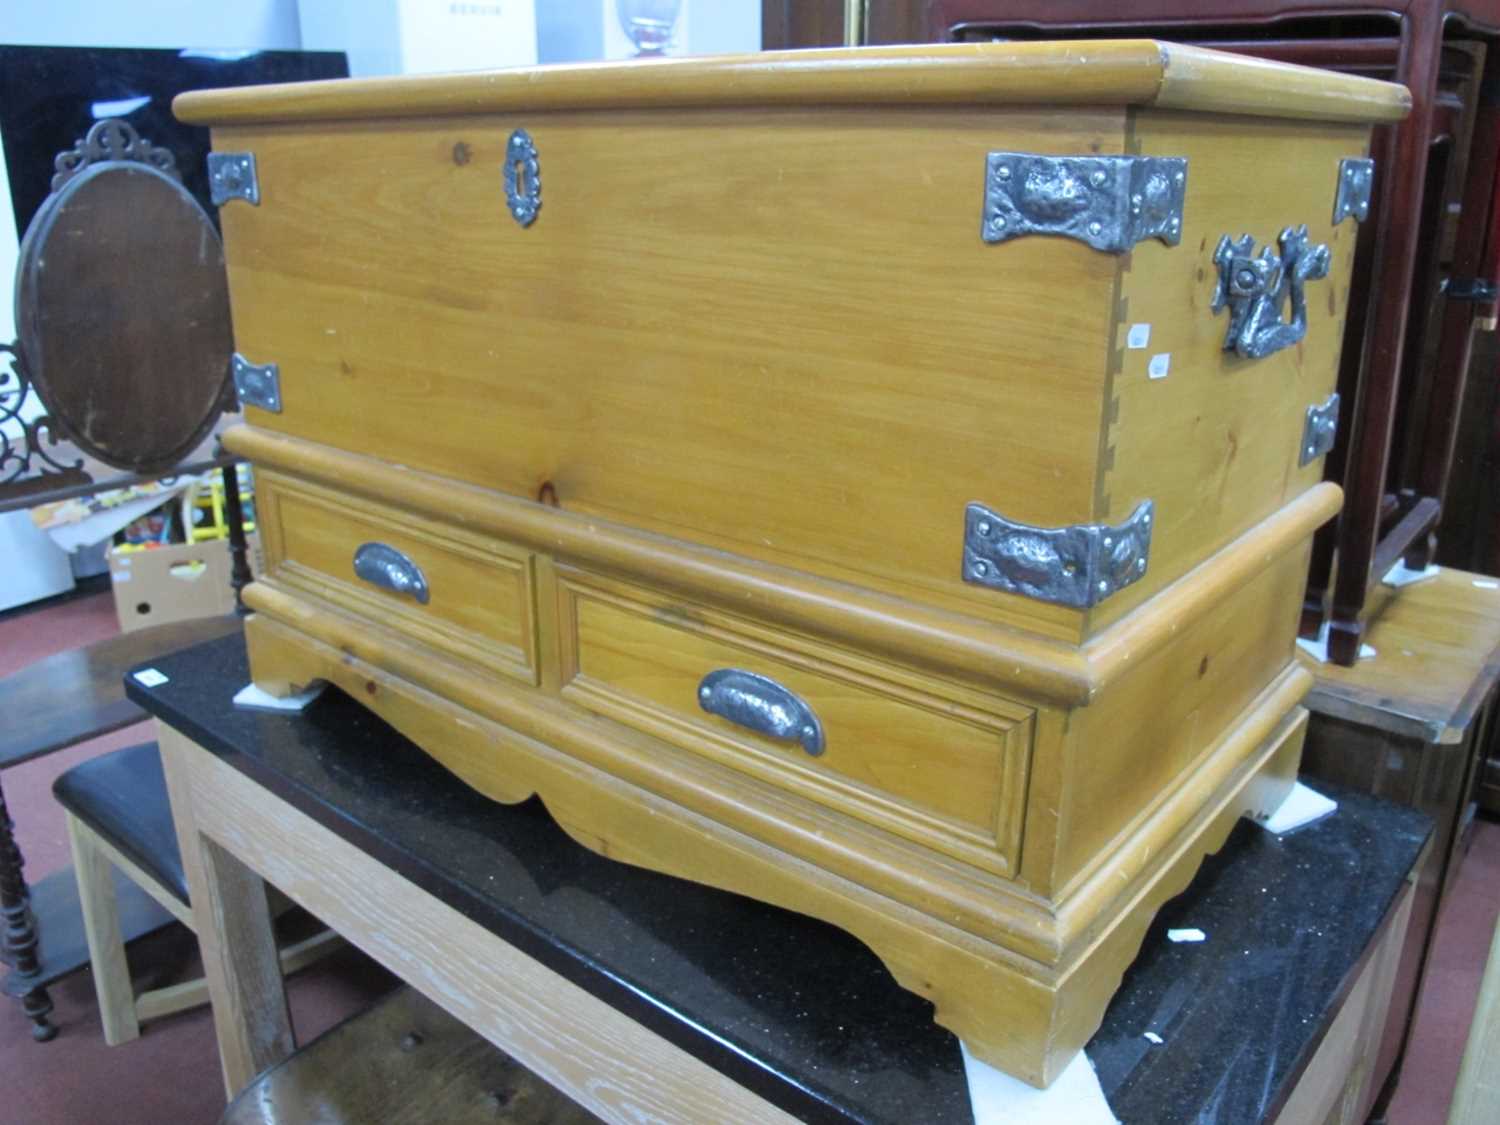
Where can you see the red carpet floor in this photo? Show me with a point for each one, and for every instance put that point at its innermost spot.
(170, 1076)
(1461, 947)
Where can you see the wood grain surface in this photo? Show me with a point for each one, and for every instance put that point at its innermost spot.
(232, 919)
(1216, 441)
(929, 757)
(812, 384)
(1023, 982)
(1104, 72)
(1437, 647)
(906, 751)
(818, 377)
(959, 647)
(582, 1046)
(480, 593)
(723, 405)
(1167, 682)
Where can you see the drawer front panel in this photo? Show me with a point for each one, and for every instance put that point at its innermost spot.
(927, 760)
(462, 593)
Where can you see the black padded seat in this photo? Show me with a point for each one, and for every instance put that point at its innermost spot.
(122, 796)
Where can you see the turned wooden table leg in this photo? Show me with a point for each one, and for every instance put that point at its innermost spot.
(20, 937)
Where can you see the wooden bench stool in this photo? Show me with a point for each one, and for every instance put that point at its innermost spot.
(119, 816)
(55, 703)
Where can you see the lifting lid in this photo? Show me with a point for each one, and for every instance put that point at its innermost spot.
(1125, 72)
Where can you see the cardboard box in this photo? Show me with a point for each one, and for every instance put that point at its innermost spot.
(176, 583)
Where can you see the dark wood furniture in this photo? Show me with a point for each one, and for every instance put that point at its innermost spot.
(1428, 257)
(1411, 725)
(121, 298)
(403, 1061)
(801, 23)
(48, 706)
(1487, 786)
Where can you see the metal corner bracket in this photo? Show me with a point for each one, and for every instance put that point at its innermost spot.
(257, 384)
(1319, 428)
(1352, 195)
(232, 175)
(1077, 566)
(1109, 202)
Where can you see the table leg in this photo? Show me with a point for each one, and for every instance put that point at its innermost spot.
(233, 921)
(19, 940)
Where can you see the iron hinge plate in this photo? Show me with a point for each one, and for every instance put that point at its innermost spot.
(232, 175)
(1109, 202)
(1076, 566)
(257, 384)
(1352, 196)
(1319, 428)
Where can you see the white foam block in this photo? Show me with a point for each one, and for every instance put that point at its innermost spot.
(1401, 575)
(252, 698)
(999, 1099)
(1302, 806)
(1319, 648)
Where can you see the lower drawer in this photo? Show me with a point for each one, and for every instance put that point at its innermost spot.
(464, 594)
(928, 760)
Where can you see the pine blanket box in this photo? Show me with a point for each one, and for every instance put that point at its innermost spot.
(875, 481)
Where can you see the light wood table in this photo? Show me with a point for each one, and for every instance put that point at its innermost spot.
(644, 997)
(583, 1046)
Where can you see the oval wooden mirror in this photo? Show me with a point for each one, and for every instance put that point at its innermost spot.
(122, 305)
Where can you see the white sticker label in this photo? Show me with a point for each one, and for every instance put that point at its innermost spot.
(150, 677)
(1139, 337)
(120, 576)
(1486, 584)
(1159, 364)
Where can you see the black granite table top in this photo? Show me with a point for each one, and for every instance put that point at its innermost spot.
(795, 1009)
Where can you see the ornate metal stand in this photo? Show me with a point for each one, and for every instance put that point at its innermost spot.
(18, 944)
(239, 556)
(26, 465)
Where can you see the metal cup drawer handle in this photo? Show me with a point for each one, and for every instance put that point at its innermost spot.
(382, 565)
(762, 705)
